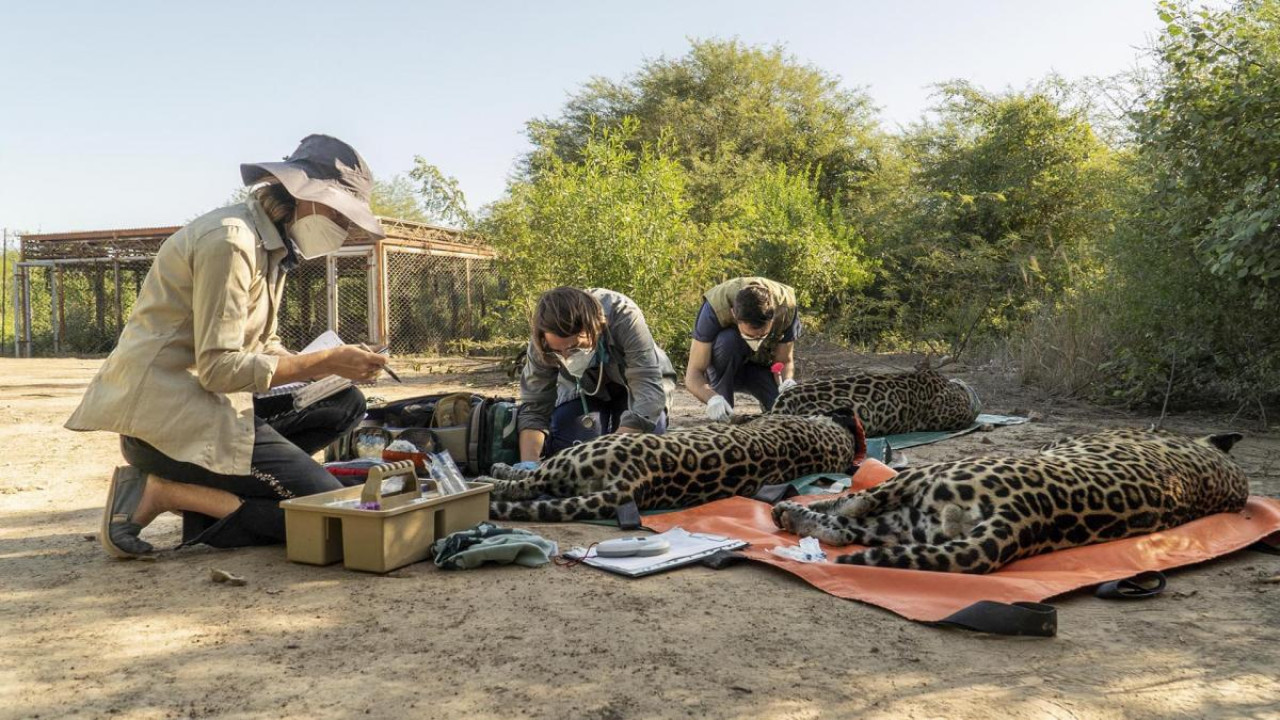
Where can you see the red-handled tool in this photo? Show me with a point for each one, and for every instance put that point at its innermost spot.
(776, 369)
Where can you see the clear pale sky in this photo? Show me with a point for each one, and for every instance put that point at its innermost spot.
(130, 114)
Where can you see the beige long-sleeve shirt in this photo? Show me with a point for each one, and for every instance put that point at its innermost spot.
(200, 341)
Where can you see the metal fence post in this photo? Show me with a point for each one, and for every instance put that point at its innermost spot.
(115, 268)
(331, 290)
(17, 311)
(55, 309)
(382, 328)
(471, 332)
(4, 286)
(26, 311)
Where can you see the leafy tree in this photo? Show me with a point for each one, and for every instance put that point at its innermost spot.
(1191, 289)
(398, 198)
(616, 218)
(441, 198)
(726, 110)
(788, 233)
(1003, 198)
(1212, 135)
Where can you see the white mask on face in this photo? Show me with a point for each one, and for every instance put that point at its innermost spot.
(578, 361)
(316, 235)
(753, 343)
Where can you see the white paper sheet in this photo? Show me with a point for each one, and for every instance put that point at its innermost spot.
(306, 393)
(686, 548)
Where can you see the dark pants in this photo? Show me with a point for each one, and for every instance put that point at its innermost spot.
(566, 421)
(730, 372)
(281, 468)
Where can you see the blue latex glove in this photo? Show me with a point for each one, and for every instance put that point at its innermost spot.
(526, 465)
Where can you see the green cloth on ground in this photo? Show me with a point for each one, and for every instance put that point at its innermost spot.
(486, 542)
(821, 483)
(906, 440)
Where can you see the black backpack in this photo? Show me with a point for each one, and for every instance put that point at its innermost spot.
(478, 431)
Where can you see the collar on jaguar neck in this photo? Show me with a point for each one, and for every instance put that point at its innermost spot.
(848, 420)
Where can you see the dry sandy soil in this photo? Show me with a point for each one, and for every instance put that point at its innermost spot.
(86, 636)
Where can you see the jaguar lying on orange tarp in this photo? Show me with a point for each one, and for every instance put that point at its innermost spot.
(936, 596)
(978, 514)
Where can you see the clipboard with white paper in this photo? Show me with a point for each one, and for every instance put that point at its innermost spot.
(686, 549)
(313, 391)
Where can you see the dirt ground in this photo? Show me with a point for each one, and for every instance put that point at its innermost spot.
(86, 636)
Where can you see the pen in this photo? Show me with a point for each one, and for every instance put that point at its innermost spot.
(385, 350)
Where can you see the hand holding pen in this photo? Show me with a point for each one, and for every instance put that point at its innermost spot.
(384, 350)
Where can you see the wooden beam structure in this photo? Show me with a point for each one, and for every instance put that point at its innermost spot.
(88, 253)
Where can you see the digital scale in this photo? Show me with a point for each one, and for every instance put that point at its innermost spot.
(639, 546)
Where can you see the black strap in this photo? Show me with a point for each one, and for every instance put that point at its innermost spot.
(774, 494)
(1263, 546)
(1143, 585)
(629, 516)
(1020, 618)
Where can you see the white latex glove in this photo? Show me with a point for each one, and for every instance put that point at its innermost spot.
(787, 385)
(718, 408)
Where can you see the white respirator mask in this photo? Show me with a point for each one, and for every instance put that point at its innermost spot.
(578, 361)
(753, 343)
(316, 236)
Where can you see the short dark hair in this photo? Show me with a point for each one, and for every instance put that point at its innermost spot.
(566, 311)
(754, 306)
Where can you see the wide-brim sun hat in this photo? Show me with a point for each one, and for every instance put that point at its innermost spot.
(328, 171)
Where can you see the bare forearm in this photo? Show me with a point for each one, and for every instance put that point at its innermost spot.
(787, 356)
(695, 381)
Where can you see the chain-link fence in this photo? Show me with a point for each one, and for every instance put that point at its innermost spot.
(426, 302)
(75, 309)
(312, 304)
(437, 303)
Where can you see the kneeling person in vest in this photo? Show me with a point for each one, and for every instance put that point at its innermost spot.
(745, 326)
(592, 369)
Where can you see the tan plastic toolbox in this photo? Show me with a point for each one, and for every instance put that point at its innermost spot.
(323, 529)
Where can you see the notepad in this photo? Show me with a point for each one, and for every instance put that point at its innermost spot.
(308, 393)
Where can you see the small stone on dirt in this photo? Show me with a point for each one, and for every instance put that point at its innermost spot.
(222, 576)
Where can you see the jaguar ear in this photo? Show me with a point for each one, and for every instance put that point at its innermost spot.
(1225, 441)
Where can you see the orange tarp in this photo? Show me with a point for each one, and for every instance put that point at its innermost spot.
(933, 596)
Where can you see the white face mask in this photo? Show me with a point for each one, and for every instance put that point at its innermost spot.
(578, 361)
(753, 343)
(316, 235)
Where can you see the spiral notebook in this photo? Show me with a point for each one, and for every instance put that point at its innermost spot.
(313, 391)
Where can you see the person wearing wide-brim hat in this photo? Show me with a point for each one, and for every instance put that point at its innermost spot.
(180, 385)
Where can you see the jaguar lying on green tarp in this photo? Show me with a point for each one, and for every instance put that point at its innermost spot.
(888, 403)
(684, 467)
